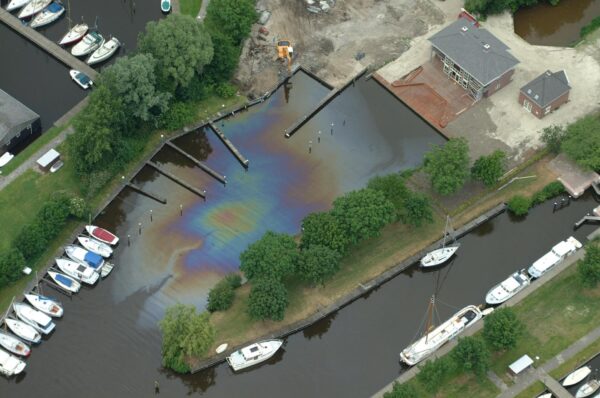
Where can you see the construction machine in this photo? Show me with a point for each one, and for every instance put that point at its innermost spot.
(285, 53)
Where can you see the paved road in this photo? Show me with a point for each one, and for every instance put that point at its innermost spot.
(202, 12)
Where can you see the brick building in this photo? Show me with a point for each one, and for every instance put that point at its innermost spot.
(545, 93)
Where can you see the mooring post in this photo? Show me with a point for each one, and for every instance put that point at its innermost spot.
(331, 128)
(140, 227)
(310, 146)
(128, 240)
(180, 210)
(150, 215)
(554, 207)
(319, 137)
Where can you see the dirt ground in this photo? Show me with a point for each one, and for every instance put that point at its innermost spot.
(327, 44)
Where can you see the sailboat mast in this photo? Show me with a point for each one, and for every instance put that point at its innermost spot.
(429, 317)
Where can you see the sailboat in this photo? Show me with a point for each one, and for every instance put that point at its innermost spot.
(441, 255)
(33, 8)
(49, 15)
(74, 34)
(435, 338)
(16, 4)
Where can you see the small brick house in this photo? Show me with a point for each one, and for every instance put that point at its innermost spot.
(545, 93)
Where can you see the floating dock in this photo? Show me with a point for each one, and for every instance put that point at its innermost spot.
(201, 193)
(45, 44)
(199, 163)
(146, 193)
(585, 219)
(229, 145)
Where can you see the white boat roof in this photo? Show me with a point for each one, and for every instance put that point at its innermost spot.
(48, 158)
(564, 248)
(546, 261)
(520, 364)
(510, 284)
(251, 350)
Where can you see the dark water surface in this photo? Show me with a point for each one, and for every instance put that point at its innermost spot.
(558, 25)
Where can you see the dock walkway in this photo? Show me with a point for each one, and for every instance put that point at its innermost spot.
(201, 193)
(45, 44)
(229, 145)
(199, 163)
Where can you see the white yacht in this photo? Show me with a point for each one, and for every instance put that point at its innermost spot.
(433, 340)
(88, 44)
(588, 389)
(253, 354)
(508, 288)
(74, 34)
(23, 330)
(49, 15)
(82, 256)
(34, 318)
(94, 246)
(45, 304)
(554, 256)
(78, 271)
(65, 281)
(576, 376)
(14, 345)
(16, 4)
(104, 52)
(10, 365)
(33, 7)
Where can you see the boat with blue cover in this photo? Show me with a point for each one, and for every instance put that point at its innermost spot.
(80, 255)
(65, 282)
(165, 6)
(49, 15)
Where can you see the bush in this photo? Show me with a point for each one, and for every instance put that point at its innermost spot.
(448, 166)
(78, 207)
(519, 205)
(273, 256)
(324, 229)
(433, 372)
(417, 209)
(488, 169)
(12, 263)
(590, 27)
(226, 90)
(225, 59)
(472, 355)
(589, 267)
(582, 142)
(179, 115)
(234, 280)
(220, 297)
(552, 136)
(402, 391)
(232, 17)
(502, 329)
(550, 191)
(268, 299)
(318, 263)
(394, 189)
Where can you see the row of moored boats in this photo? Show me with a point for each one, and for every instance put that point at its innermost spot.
(590, 383)
(33, 318)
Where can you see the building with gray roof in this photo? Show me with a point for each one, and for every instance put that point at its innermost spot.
(473, 57)
(16, 122)
(545, 93)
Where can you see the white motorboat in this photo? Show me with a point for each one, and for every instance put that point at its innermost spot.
(74, 34)
(23, 330)
(253, 354)
(5, 158)
(45, 304)
(102, 235)
(588, 389)
(95, 246)
(106, 269)
(546, 395)
(14, 345)
(10, 365)
(64, 281)
(558, 253)
(165, 6)
(37, 319)
(16, 4)
(81, 79)
(508, 288)
(33, 7)
(434, 339)
(441, 255)
(85, 257)
(78, 271)
(104, 52)
(88, 44)
(576, 376)
(48, 15)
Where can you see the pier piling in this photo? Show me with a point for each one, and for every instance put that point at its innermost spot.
(229, 145)
(198, 163)
(146, 193)
(171, 176)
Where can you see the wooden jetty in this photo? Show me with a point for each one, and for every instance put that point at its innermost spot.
(229, 145)
(199, 163)
(585, 219)
(171, 176)
(45, 44)
(146, 193)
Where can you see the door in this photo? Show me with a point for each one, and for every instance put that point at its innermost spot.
(527, 105)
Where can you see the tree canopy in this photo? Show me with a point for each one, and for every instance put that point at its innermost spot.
(448, 166)
(402, 391)
(472, 355)
(268, 299)
(582, 142)
(324, 229)
(272, 256)
(417, 209)
(488, 169)
(225, 59)
(552, 136)
(317, 263)
(589, 267)
(12, 263)
(394, 189)
(232, 17)
(502, 329)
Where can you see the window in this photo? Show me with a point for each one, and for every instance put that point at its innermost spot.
(547, 110)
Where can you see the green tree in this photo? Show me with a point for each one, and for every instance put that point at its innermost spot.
(552, 136)
(488, 169)
(185, 334)
(272, 256)
(220, 297)
(394, 189)
(268, 299)
(472, 355)
(225, 59)
(417, 209)
(317, 263)
(402, 391)
(433, 372)
(133, 80)
(232, 17)
(181, 47)
(363, 213)
(582, 142)
(31, 241)
(519, 205)
(12, 263)
(324, 229)
(448, 166)
(502, 329)
(589, 267)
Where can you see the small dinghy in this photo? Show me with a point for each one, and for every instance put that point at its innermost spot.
(165, 6)
(16, 4)
(14, 345)
(81, 79)
(64, 281)
(104, 52)
(106, 269)
(49, 15)
(74, 34)
(576, 376)
(10, 365)
(78, 271)
(45, 304)
(546, 395)
(102, 235)
(5, 158)
(253, 354)
(588, 389)
(89, 44)
(23, 330)
(37, 319)
(508, 288)
(33, 7)
(82, 256)
(95, 246)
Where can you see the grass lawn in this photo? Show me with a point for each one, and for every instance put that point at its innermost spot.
(532, 391)
(579, 359)
(459, 384)
(190, 7)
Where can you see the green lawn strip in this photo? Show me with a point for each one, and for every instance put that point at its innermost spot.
(575, 362)
(459, 384)
(190, 7)
(31, 149)
(532, 391)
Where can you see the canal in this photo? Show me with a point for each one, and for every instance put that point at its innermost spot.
(559, 25)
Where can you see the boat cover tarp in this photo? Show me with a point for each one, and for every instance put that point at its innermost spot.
(54, 7)
(64, 280)
(93, 259)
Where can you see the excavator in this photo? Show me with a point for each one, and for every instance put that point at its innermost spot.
(285, 53)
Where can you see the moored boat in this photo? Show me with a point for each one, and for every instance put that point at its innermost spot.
(45, 304)
(88, 44)
(23, 330)
(165, 6)
(10, 365)
(546, 395)
(104, 52)
(576, 376)
(74, 34)
(588, 389)
(48, 15)
(253, 354)
(65, 281)
(558, 253)
(16, 4)
(36, 319)
(508, 288)
(441, 255)
(33, 7)
(14, 345)
(78, 271)
(85, 257)
(81, 79)
(102, 234)
(95, 246)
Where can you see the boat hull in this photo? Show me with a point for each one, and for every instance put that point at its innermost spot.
(9, 365)
(82, 49)
(439, 256)
(23, 330)
(14, 345)
(16, 4)
(266, 349)
(74, 35)
(588, 389)
(45, 304)
(78, 271)
(102, 235)
(576, 376)
(36, 319)
(507, 288)
(104, 52)
(57, 277)
(33, 7)
(46, 18)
